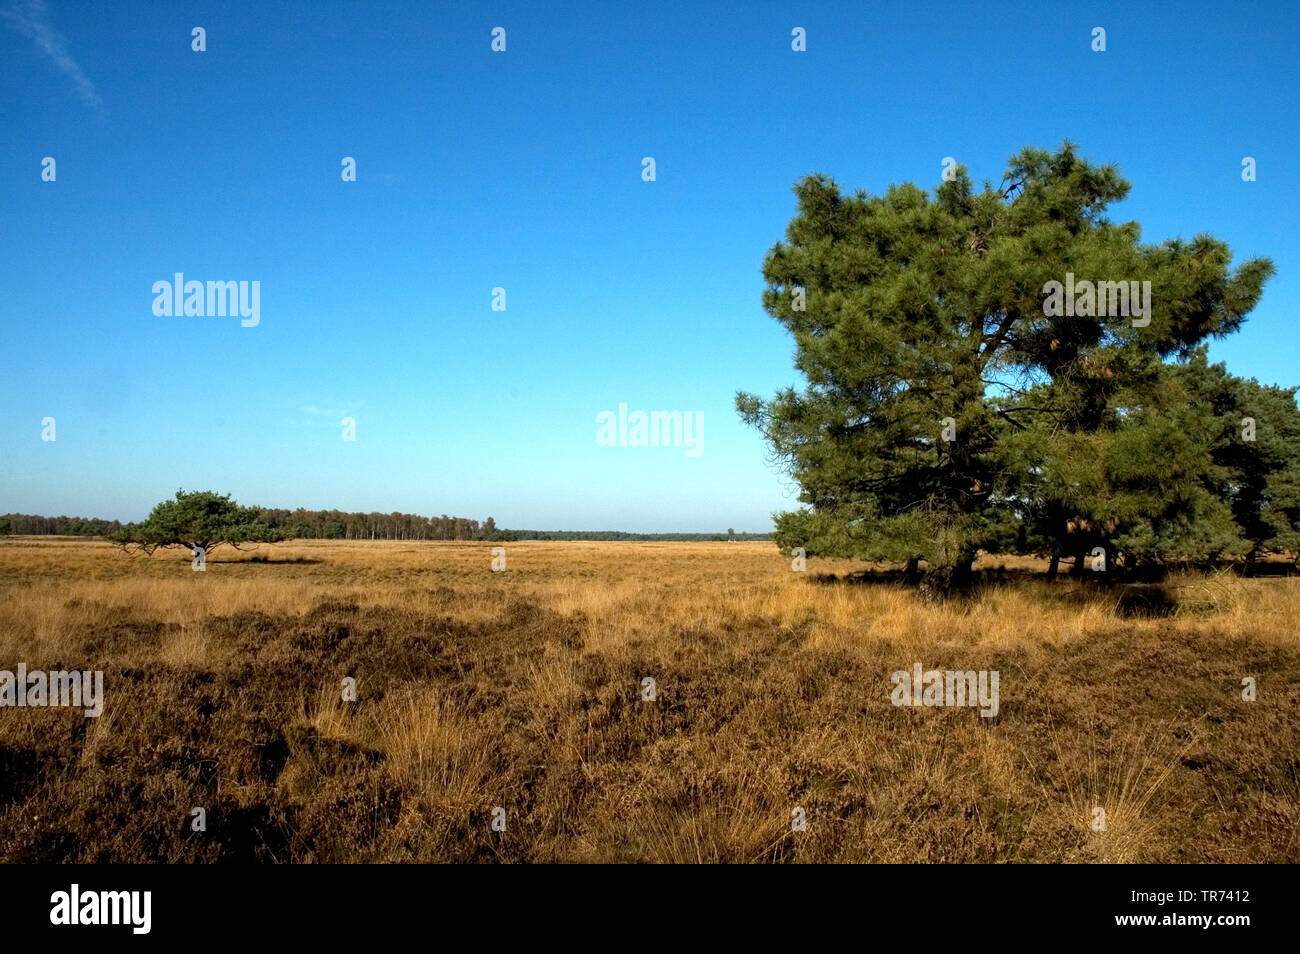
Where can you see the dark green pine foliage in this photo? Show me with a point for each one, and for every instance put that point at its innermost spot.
(197, 519)
(1255, 451)
(924, 320)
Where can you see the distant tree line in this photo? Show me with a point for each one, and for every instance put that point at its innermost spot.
(624, 535)
(300, 524)
(341, 525)
(31, 523)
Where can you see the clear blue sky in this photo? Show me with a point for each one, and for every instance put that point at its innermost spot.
(523, 170)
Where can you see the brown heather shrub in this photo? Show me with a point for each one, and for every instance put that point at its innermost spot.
(521, 690)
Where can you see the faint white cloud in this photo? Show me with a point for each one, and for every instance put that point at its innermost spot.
(31, 18)
(325, 416)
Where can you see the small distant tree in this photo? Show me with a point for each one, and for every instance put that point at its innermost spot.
(197, 519)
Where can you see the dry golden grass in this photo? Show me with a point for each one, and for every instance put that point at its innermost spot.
(521, 690)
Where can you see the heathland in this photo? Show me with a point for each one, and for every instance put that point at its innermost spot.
(504, 715)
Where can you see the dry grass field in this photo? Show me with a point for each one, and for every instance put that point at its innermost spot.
(521, 690)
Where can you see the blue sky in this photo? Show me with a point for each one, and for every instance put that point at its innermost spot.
(522, 170)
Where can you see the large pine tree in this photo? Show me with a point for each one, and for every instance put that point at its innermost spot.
(945, 400)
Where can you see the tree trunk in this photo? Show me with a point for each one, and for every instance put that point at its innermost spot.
(1054, 567)
(938, 582)
(911, 572)
(1080, 561)
(935, 584)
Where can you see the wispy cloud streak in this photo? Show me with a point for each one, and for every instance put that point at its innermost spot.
(31, 18)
